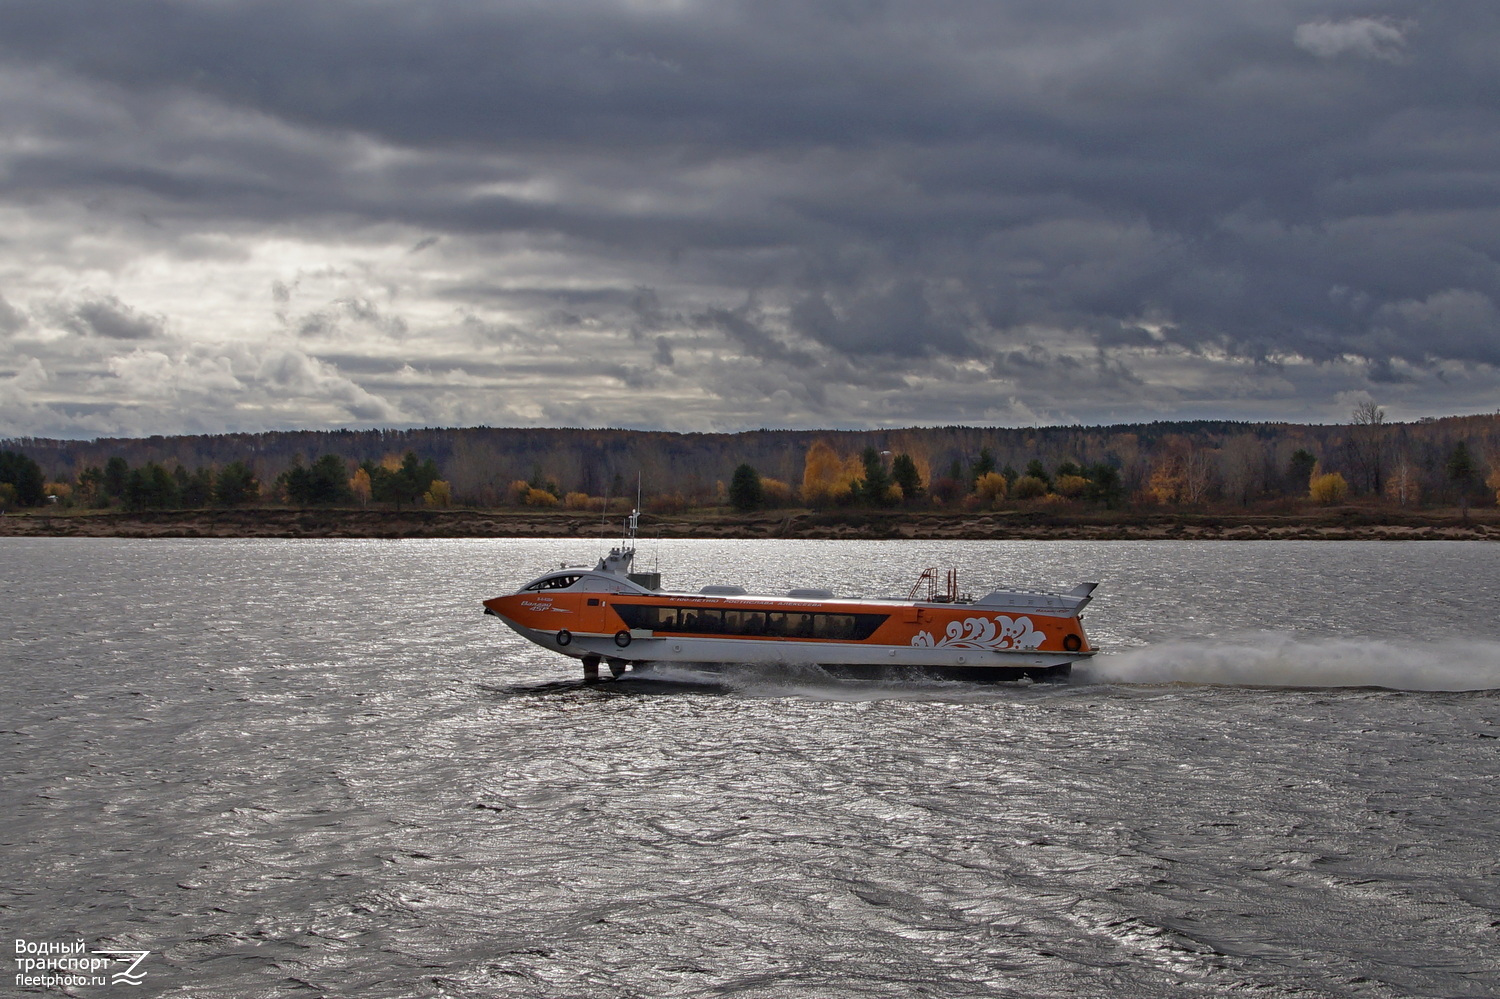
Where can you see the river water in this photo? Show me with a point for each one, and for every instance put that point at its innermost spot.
(313, 768)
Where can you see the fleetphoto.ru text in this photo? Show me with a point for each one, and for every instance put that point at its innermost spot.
(52, 964)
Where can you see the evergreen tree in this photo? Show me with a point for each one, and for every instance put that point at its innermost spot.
(983, 465)
(1300, 470)
(1104, 484)
(744, 489)
(875, 488)
(24, 476)
(1461, 466)
(324, 483)
(406, 484)
(1461, 473)
(197, 488)
(91, 485)
(328, 481)
(904, 472)
(116, 471)
(1036, 470)
(150, 487)
(236, 484)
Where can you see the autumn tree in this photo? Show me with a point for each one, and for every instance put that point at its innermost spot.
(1327, 488)
(1028, 487)
(991, 488)
(1183, 473)
(1071, 485)
(360, 487)
(538, 497)
(774, 492)
(1402, 485)
(439, 494)
(826, 478)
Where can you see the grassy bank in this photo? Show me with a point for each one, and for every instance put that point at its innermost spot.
(1339, 523)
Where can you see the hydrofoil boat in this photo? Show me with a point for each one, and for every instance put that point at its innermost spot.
(611, 615)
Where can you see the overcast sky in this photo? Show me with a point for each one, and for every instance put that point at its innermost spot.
(223, 215)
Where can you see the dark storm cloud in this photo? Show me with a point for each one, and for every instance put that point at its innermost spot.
(107, 317)
(751, 334)
(889, 183)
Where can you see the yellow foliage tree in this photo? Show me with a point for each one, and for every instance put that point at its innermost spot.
(1328, 488)
(774, 492)
(1166, 484)
(539, 497)
(440, 493)
(1071, 486)
(827, 478)
(1493, 481)
(359, 485)
(1028, 487)
(576, 501)
(518, 490)
(1182, 474)
(991, 488)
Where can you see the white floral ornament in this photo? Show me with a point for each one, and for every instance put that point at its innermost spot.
(983, 633)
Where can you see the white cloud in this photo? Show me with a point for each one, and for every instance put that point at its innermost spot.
(1370, 37)
(292, 373)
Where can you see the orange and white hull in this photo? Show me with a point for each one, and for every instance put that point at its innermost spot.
(601, 616)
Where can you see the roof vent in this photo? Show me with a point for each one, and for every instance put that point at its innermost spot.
(722, 591)
(810, 593)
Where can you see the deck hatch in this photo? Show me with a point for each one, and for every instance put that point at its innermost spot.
(749, 621)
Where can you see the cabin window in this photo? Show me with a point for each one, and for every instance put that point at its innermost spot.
(553, 583)
(749, 622)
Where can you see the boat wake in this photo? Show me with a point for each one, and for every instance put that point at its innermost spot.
(1276, 659)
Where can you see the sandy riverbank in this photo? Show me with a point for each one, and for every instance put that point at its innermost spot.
(1322, 524)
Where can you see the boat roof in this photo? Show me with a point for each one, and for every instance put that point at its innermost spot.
(593, 580)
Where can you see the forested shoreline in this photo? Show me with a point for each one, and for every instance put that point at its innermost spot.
(1142, 469)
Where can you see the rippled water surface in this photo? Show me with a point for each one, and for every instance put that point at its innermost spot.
(295, 768)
